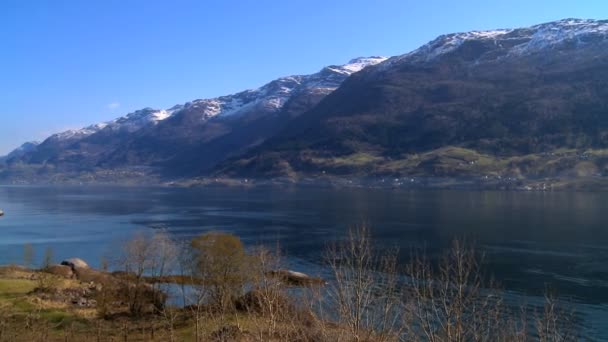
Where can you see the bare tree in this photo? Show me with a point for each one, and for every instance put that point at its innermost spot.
(47, 261)
(268, 299)
(164, 262)
(143, 256)
(28, 255)
(136, 261)
(104, 264)
(555, 324)
(192, 290)
(45, 280)
(451, 303)
(364, 288)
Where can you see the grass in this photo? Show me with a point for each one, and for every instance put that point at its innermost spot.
(25, 316)
(454, 161)
(14, 294)
(357, 159)
(10, 288)
(447, 161)
(59, 318)
(361, 159)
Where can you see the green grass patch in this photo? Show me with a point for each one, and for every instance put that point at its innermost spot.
(357, 159)
(61, 318)
(15, 287)
(14, 294)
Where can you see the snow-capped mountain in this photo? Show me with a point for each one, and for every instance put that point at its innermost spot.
(129, 123)
(75, 134)
(566, 33)
(137, 120)
(271, 97)
(215, 129)
(21, 150)
(157, 135)
(503, 94)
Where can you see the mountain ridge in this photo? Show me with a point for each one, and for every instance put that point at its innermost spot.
(460, 99)
(523, 104)
(21, 150)
(109, 144)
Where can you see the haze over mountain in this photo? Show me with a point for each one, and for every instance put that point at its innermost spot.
(520, 103)
(20, 151)
(184, 140)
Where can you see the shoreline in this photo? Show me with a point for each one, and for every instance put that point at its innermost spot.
(589, 184)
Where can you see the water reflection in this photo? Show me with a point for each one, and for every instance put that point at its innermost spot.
(531, 240)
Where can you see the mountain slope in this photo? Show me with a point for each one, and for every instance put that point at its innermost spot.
(60, 148)
(188, 139)
(20, 151)
(457, 103)
(517, 104)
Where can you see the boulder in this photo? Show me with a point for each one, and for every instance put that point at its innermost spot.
(61, 270)
(296, 278)
(75, 263)
(80, 297)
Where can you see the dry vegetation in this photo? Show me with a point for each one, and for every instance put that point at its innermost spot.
(213, 290)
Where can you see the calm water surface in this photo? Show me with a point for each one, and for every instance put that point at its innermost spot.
(532, 241)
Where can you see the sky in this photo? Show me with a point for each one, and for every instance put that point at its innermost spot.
(67, 64)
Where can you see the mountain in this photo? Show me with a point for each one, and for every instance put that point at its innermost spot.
(522, 103)
(184, 140)
(521, 106)
(20, 151)
(206, 132)
(59, 147)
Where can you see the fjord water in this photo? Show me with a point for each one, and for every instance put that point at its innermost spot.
(532, 241)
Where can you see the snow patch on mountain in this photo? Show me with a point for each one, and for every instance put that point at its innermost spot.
(528, 40)
(568, 30)
(73, 134)
(274, 95)
(129, 123)
(357, 65)
(141, 118)
(270, 97)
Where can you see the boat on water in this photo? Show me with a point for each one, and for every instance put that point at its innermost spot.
(1, 212)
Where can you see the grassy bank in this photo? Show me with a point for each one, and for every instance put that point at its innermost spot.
(213, 290)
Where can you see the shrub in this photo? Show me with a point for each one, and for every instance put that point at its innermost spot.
(221, 261)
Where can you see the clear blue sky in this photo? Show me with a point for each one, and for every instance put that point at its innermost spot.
(66, 64)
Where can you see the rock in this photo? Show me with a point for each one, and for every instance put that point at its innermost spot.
(296, 278)
(79, 297)
(84, 302)
(75, 263)
(61, 270)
